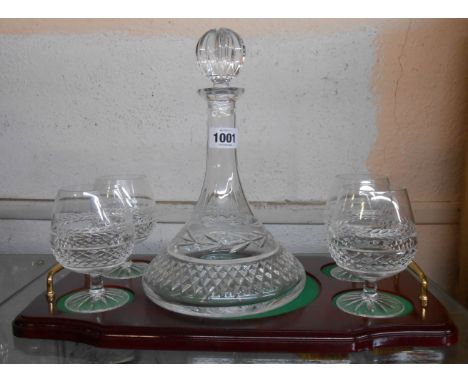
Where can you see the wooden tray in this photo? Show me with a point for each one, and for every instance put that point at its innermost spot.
(319, 327)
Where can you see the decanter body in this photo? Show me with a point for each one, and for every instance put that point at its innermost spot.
(223, 263)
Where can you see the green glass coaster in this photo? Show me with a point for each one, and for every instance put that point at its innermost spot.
(337, 273)
(116, 298)
(309, 294)
(350, 303)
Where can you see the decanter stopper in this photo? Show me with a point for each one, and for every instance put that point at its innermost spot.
(220, 55)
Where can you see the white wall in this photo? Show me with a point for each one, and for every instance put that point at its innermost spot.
(74, 107)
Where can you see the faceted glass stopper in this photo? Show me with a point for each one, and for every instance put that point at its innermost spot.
(220, 55)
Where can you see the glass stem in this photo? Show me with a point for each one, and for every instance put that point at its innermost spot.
(369, 292)
(96, 287)
(127, 264)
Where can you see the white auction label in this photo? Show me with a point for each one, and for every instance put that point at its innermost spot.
(223, 138)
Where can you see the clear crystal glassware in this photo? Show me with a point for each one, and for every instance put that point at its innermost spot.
(4, 346)
(345, 183)
(92, 232)
(138, 196)
(223, 262)
(372, 235)
(352, 182)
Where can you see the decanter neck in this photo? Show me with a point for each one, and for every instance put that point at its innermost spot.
(222, 186)
(222, 138)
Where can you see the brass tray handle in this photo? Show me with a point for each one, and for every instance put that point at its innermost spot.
(50, 285)
(415, 268)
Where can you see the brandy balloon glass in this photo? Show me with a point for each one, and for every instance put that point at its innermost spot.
(138, 198)
(345, 183)
(372, 235)
(92, 232)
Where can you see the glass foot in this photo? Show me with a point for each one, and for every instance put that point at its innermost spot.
(382, 305)
(343, 275)
(87, 302)
(129, 270)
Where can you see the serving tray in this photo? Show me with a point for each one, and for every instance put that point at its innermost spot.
(318, 327)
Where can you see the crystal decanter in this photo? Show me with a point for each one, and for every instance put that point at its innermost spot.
(223, 263)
